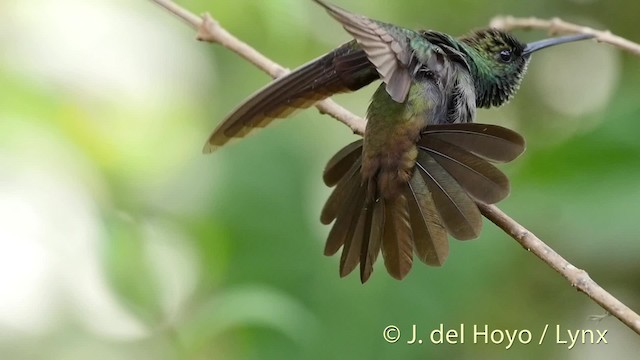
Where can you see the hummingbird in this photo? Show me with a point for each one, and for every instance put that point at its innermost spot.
(422, 164)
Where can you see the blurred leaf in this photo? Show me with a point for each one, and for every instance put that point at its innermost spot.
(128, 270)
(246, 307)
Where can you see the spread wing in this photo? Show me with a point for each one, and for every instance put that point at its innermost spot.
(387, 47)
(345, 69)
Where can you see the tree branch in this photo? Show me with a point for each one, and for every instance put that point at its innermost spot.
(576, 277)
(209, 30)
(557, 26)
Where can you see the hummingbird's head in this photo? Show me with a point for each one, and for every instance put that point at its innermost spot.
(499, 61)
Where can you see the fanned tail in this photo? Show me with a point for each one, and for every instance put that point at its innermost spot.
(453, 171)
(344, 69)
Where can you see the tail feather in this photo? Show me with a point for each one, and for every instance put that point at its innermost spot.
(429, 234)
(452, 169)
(459, 213)
(397, 245)
(371, 249)
(340, 193)
(345, 69)
(346, 220)
(341, 162)
(491, 142)
(360, 238)
(479, 178)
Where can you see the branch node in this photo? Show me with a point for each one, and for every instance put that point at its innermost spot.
(555, 26)
(523, 234)
(207, 29)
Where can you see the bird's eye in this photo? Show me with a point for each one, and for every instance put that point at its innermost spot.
(506, 56)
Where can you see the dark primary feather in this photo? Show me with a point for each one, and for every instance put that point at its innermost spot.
(452, 169)
(342, 70)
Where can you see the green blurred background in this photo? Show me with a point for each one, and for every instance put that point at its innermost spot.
(120, 240)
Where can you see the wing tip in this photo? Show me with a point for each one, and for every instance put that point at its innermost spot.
(332, 9)
(208, 148)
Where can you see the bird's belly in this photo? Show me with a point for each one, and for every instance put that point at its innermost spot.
(389, 157)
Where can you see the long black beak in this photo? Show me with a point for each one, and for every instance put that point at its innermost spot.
(538, 45)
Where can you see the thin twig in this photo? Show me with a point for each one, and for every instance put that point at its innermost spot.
(182, 13)
(576, 277)
(557, 26)
(210, 30)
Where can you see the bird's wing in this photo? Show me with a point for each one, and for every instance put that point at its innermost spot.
(345, 69)
(387, 47)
